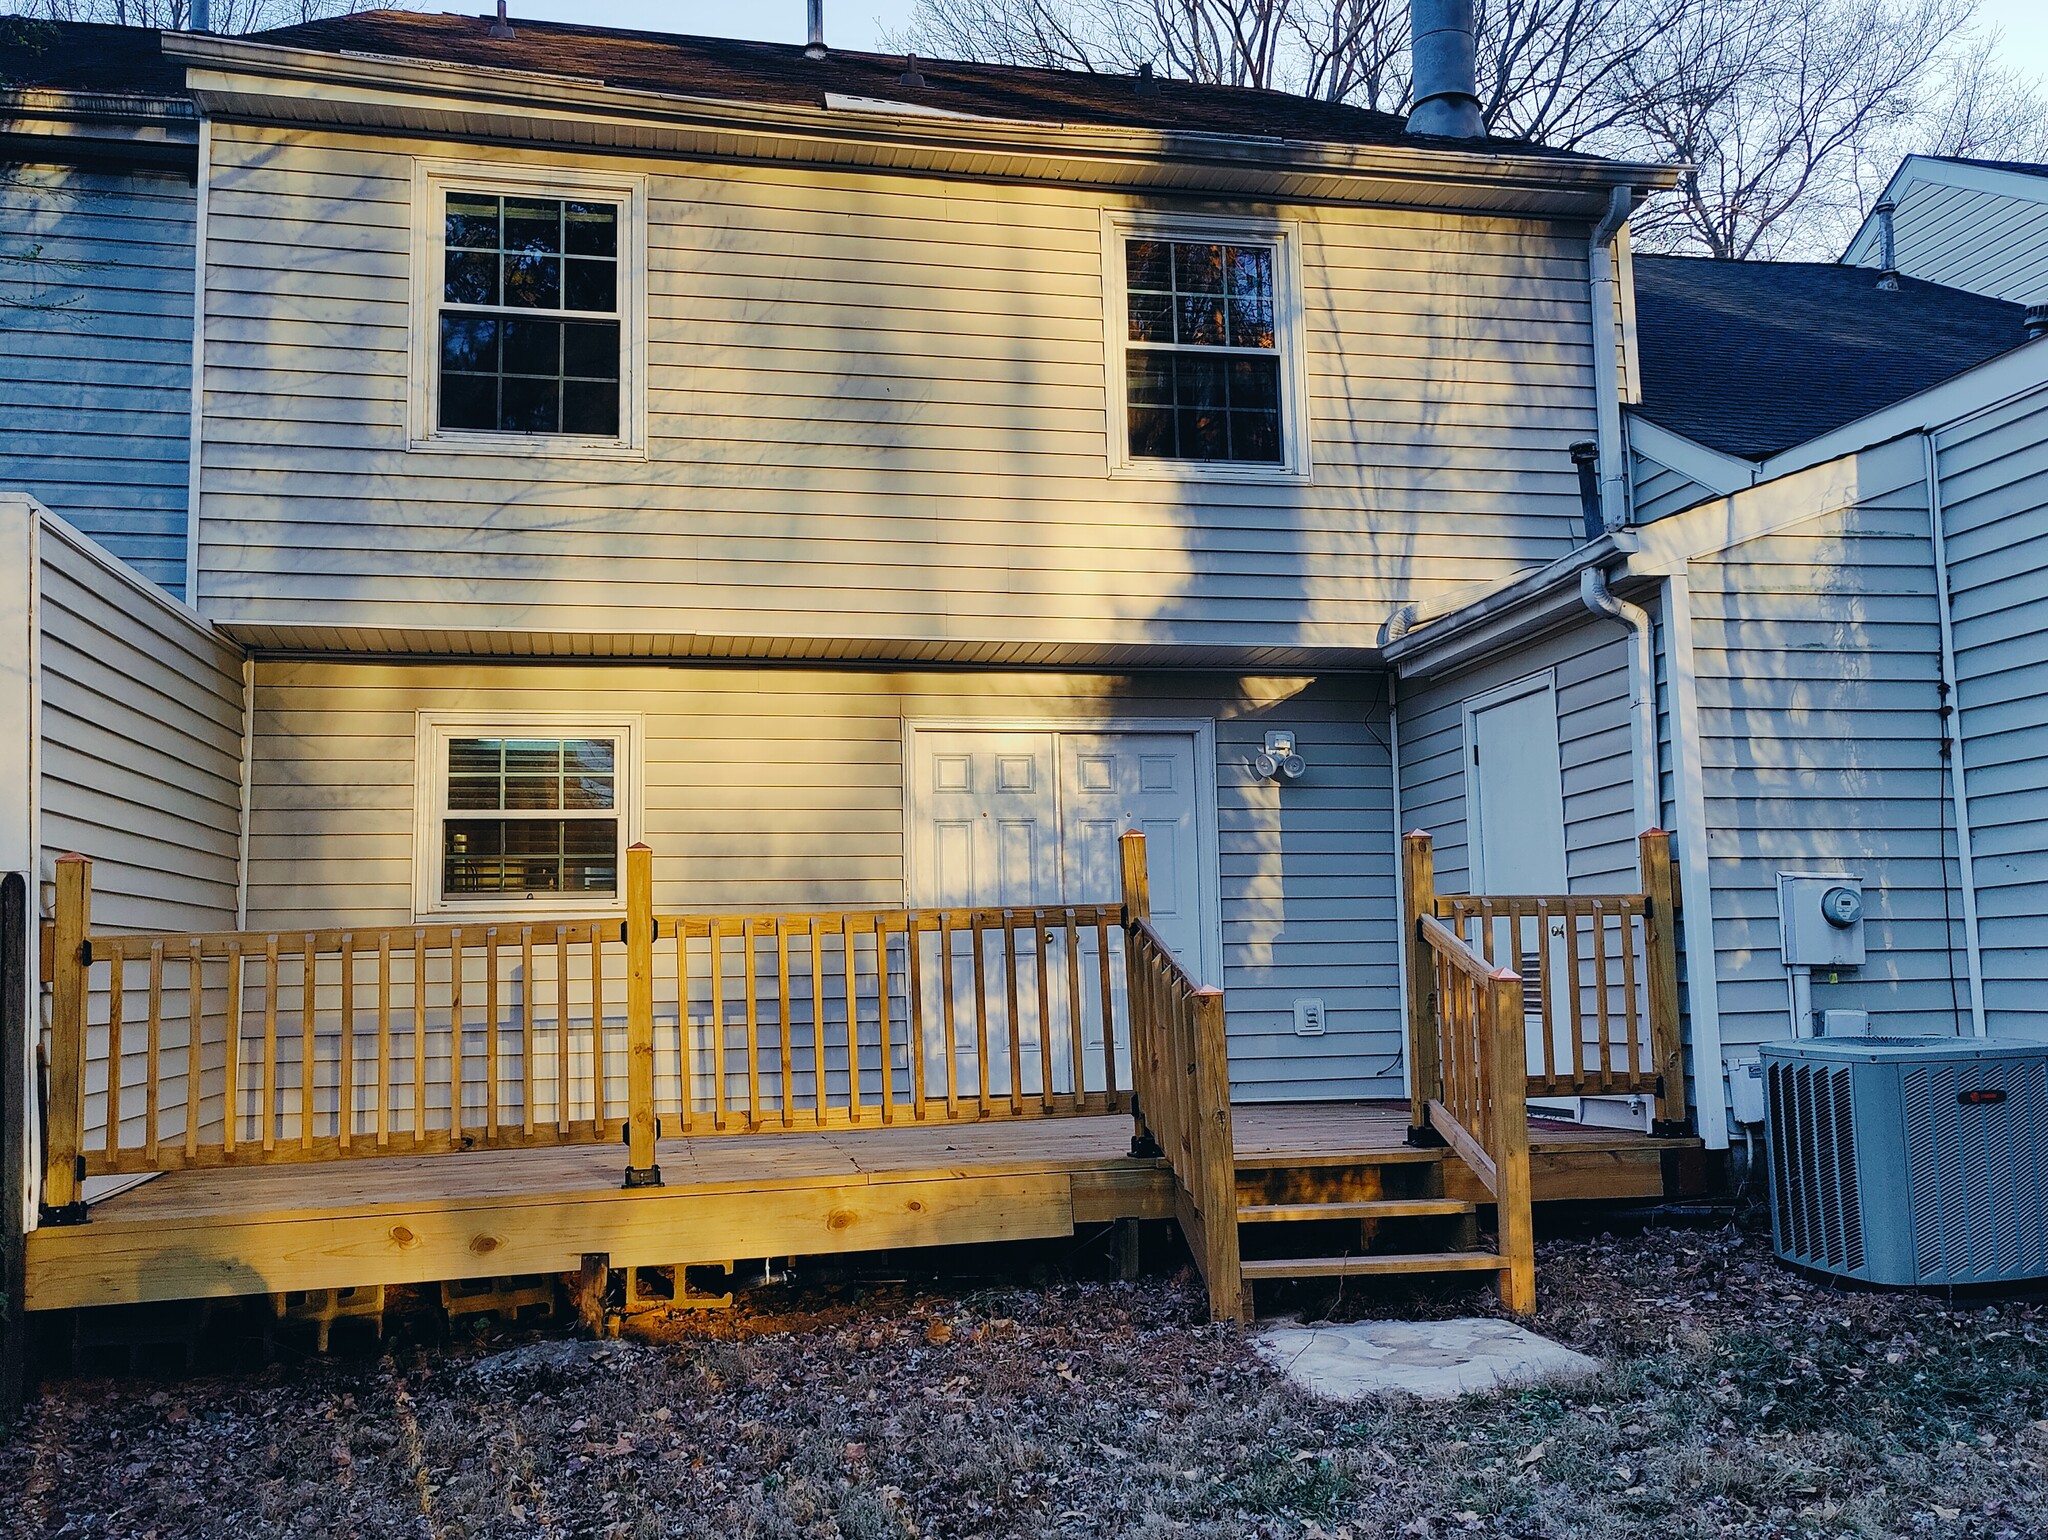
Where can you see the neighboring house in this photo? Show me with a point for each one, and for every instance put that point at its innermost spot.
(1980, 225)
(1829, 654)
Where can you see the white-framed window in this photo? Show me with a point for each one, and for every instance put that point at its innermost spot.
(528, 310)
(522, 814)
(1205, 347)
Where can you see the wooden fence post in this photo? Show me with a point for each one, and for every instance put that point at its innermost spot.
(1425, 1062)
(71, 965)
(1660, 965)
(642, 1170)
(1137, 900)
(1513, 1217)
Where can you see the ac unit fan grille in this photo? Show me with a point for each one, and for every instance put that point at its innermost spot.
(1813, 1144)
(1976, 1166)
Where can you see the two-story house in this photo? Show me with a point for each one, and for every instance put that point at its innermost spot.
(874, 485)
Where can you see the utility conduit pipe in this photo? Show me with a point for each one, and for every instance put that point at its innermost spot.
(1606, 297)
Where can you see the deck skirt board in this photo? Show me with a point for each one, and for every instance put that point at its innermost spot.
(209, 1233)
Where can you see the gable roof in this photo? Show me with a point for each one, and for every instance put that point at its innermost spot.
(2023, 167)
(1751, 358)
(38, 55)
(780, 74)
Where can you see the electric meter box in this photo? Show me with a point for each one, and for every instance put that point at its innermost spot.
(1820, 919)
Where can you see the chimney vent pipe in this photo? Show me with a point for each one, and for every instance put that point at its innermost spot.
(1445, 70)
(1887, 250)
(815, 48)
(2036, 322)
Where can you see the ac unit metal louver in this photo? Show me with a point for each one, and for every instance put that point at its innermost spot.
(1910, 1160)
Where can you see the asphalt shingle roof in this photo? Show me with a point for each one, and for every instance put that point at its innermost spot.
(85, 56)
(1751, 358)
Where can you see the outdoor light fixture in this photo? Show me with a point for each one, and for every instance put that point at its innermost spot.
(1278, 761)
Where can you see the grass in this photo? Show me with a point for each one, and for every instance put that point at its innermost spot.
(1738, 1400)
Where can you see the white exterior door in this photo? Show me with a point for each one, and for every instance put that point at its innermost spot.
(1111, 782)
(987, 806)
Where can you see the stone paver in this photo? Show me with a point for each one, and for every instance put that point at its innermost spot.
(1436, 1360)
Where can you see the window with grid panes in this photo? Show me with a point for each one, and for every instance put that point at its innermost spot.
(530, 816)
(529, 334)
(1202, 360)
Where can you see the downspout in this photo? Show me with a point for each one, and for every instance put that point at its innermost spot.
(1642, 688)
(1606, 297)
(1400, 890)
(1952, 737)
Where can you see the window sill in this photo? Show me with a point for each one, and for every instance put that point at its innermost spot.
(534, 912)
(528, 446)
(1220, 472)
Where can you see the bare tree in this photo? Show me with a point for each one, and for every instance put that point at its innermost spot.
(228, 16)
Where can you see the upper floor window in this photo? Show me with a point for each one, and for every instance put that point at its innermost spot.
(1205, 344)
(526, 330)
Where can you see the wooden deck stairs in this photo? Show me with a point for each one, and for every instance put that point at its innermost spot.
(1352, 1218)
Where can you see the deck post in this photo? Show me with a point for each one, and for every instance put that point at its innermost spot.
(1660, 966)
(1137, 901)
(641, 1128)
(70, 970)
(1425, 1066)
(1504, 1030)
(1223, 1266)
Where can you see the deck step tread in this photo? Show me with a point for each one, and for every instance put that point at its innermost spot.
(1359, 1208)
(1314, 1159)
(1264, 1270)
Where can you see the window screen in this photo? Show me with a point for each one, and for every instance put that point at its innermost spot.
(1202, 363)
(531, 815)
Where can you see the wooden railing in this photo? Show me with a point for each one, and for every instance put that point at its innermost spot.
(1599, 975)
(1181, 1073)
(1481, 1105)
(174, 1050)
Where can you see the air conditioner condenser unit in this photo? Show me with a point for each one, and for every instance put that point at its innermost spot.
(1910, 1161)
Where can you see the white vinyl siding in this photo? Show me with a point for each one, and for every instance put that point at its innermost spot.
(1994, 483)
(1589, 663)
(876, 410)
(1988, 242)
(784, 789)
(96, 328)
(141, 746)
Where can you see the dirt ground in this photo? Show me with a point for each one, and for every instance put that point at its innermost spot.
(1739, 1400)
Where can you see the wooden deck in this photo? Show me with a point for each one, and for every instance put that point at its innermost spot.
(417, 1219)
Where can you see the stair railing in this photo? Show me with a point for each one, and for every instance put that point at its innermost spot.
(1471, 1086)
(1180, 1073)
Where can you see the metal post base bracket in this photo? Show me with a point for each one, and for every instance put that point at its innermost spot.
(65, 1213)
(643, 1176)
(1423, 1137)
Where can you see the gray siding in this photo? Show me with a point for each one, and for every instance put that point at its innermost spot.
(877, 410)
(1994, 481)
(96, 325)
(811, 815)
(1816, 654)
(1658, 490)
(141, 745)
(1590, 666)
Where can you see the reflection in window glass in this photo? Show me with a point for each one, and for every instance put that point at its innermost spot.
(1202, 364)
(531, 815)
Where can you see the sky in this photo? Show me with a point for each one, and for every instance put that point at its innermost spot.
(858, 24)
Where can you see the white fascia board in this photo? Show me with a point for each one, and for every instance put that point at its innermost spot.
(1795, 498)
(1718, 472)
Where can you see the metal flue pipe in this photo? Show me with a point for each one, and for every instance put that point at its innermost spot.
(815, 48)
(1445, 70)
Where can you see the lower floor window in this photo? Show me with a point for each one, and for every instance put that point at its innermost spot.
(524, 815)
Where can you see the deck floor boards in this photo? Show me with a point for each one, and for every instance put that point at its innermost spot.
(412, 1217)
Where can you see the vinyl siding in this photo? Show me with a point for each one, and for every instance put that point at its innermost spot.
(785, 789)
(96, 324)
(1994, 482)
(141, 745)
(877, 410)
(1657, 489)
(1987, 242)
(1589, 664)
(1816, 654)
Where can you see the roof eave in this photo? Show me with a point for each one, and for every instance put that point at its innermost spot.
(232, 77)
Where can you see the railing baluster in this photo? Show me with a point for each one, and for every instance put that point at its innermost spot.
(846, 932)
(882, 1020)
(1076, 1049)
(949, 1026)
(978, 928)
(526, 1030)
(345, 1070)
(419, 1038)
(1605, 1076)
(818, 1097)
(231, 1069)
(383, 1039)
(1630, 1016)
(492, 1046)
(115, 1002)
(1045, 1032)
(1010, 997)
(152, 1092)
(747, 937)
(600, 1110)
(456, 1072)
(565, 1079)
(913, 941)
(786, 1057)
(1108, 990)
(195, 1039)
(715, 939)
(271, 961)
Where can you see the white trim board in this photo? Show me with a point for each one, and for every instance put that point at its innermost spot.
(2023, 185)
(1202, 730)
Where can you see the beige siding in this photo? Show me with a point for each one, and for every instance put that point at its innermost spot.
(141, 744)
(785, 789)
(1589, 665)
(877, 410)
